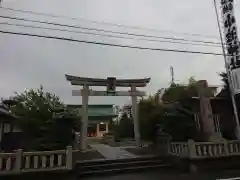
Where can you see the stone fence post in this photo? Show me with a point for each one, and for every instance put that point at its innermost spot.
(191, 149)
(226, 150)
(69, 158)
(18, 162)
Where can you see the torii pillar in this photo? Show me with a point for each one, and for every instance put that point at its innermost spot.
(84, 120)
(135, 116)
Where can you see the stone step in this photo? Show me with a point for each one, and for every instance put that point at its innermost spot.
(120, 165)
(109, 161)
(125, 169)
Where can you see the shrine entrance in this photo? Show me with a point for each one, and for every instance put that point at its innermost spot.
(110, 83)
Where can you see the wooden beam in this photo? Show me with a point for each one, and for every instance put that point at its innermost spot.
(74, 80)
(104, 93)
(118, 84)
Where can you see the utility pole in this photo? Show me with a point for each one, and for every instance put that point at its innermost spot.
(172, 75)
(237, 129)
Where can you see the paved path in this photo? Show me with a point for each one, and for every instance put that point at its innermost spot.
(112, 152)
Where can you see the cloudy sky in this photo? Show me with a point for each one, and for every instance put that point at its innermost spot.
(27, 62)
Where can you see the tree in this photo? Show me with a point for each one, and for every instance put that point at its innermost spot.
(224, 78)
(126, 126)
(127, 110)
(179, 93)
(178, 122)
(192, 80)
(173, 119)
(151, 113)
(174, 93)
(173, 114)
(36, 109)
(225, 92)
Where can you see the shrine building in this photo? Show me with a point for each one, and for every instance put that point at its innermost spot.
(99, 117)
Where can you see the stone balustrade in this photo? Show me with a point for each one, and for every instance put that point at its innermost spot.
(195, 150)
(209, 149)
(19, 162)
(6, 162)
(234, 147)
(179, 149)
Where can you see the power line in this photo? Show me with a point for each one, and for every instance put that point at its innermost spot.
(105, 35)
(108, 31)
(108, 23)
(110, 44)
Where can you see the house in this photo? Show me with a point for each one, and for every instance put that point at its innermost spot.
(10, 134)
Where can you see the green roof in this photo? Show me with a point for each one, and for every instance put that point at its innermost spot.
(95, 110)
(91, 105)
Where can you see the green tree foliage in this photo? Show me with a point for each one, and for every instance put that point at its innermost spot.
(127, 110)
(151, 112)
(181, 93)
(173, 114)
(125, 126)
(172, 118)
(224, 79)
(174, 93)
(225, 92)
(192, 80)
(36, 110)
(179, 124)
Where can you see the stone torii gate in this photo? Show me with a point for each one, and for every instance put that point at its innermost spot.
(111, 83)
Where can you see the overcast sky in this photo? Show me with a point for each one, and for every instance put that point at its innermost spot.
(27, 62)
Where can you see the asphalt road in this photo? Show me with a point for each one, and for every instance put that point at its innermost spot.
(167, 176)
(139, 176)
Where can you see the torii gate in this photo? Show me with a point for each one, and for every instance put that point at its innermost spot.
(111, 83)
